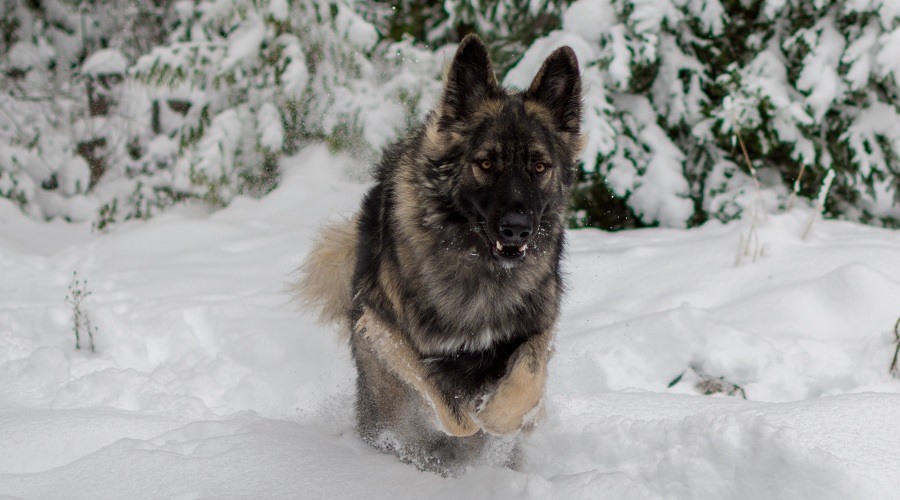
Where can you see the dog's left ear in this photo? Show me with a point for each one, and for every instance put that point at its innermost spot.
(557, 86)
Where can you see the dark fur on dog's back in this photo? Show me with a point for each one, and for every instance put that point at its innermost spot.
(457, 252)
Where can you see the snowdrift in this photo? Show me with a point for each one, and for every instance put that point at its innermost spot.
(208, 382)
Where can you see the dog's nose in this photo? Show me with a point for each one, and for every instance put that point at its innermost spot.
(515, 228)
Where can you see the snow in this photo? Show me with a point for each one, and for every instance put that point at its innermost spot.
(244, 43)
(662, 175)
(209, 382)
(74, 176)
(105, 62)
(620, 57)
(24, 56)
(589, 19)
(268, 126)
(889, 54)
(354, 28)
(296, 75)
(649, 15)
(819, 76)
(858, 56)
(871, 125)
(523, 73)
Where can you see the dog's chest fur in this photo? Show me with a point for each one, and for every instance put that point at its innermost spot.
(467, 309)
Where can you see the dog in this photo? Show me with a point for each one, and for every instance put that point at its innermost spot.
(447, 280)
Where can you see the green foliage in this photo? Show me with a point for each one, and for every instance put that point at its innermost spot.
(9, 188)
(508, 27)
(808, 84)
(595, 205)
(217, 92)
(268, 77)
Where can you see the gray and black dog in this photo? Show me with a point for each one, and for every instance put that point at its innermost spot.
(447, 280)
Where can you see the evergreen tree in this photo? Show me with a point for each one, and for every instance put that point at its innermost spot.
(810, 85)
(67, 115)
(115, 109)
(258, 79)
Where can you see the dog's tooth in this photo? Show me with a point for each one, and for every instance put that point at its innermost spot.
(523, 247)
(499, 246)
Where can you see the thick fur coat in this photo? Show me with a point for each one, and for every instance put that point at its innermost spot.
(448, 278)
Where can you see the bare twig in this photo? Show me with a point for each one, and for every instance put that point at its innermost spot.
(820, 202)
(82, 323)
(796, 192)
(895, 371)
(750, 246)
(752, 169)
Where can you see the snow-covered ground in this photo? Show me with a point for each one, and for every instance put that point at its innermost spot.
(209, 382)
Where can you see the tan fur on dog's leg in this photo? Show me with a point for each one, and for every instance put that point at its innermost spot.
(520, 391)
(401, 359)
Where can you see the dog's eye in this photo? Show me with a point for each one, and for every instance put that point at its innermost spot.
(540, 167)
(486, 164)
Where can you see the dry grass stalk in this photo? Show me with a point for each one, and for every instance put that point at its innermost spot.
(796, 192)
(762, 205)
(895, 370)
(820, 202)
(750, 246)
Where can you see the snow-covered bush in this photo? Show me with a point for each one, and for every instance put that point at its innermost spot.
(114, 109)
(202, 108)
(810, 84)
(508, 27)
(255, 79)
(68, 114)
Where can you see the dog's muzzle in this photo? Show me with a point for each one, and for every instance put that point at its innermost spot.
(514, 230)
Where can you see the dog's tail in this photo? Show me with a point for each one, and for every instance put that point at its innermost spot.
(327, 273)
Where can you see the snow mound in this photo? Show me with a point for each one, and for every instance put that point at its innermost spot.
(208, 382)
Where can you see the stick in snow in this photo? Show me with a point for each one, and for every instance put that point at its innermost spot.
(820, 202)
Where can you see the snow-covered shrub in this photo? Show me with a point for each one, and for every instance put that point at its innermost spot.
(508, 27)
(68, 114)
(115, 109)
(110, 120)
(239, 84)
(810, 84)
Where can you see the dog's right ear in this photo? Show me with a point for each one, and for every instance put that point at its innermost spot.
(470, 80)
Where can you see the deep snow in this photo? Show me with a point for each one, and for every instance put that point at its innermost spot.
(209, 382)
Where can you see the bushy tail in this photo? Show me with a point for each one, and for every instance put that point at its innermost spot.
(327, 273)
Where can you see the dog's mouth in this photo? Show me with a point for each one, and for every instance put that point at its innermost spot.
(508, 252)
(505, 253)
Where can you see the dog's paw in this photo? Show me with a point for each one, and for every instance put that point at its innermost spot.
(516, 401)
(454, 423)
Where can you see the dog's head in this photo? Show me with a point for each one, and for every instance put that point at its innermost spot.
(502, 162)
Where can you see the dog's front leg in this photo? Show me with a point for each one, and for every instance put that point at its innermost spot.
(515, 401)
(403, 361)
